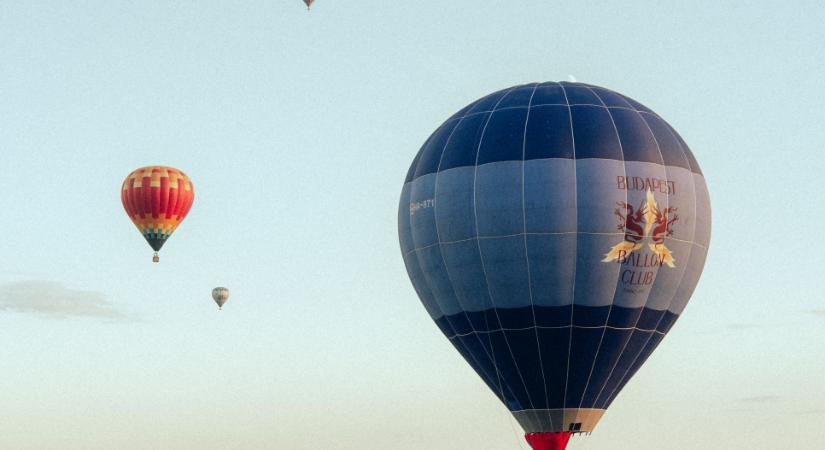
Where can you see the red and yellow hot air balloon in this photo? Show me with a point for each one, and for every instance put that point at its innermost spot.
(157, 199)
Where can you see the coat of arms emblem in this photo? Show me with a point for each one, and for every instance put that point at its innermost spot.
(645, 220)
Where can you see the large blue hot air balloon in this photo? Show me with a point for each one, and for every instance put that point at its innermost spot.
(555, 233)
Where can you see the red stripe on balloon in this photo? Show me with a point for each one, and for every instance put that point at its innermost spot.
(164, 196)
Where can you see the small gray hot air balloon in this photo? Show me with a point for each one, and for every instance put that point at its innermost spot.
(220, 295)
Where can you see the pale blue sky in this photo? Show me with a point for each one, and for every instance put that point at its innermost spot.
(297, 129)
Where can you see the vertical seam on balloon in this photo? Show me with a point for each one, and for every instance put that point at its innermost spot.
(447, 270)
(647, 300)
(576, 257)
(618, 269)
(481, 254)
(627, 374)
(526, 253)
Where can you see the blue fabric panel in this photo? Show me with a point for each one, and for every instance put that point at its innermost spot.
(612, 345)
(485, 320)
(649, 319)
(548, 136)
(483, 367)
(638, 143)
(549, 94)
(699, 250)
(516, 318)
(651, 345)
(552, 268)
(635, 345)
(463, 263)
(590, 316)
(597, 195)
(478, 357)
(546, 211)
(423, 290)
(702, 231)
(549, 133)
(556, 316)
(523, 317)
(459, 323)
(498, 199)
(670, 147)
(689, 280)
(667, 322)
(505, 363)
(479, 348)
(694, 165)
(463, 111)
(524, 347)
(454, 204)
(595, 281)
(462, 148)
(601, 359)
(594, 134)
(578, 94)
(552, 316)
(663, 291)
(621, 317)
(443, 325)
(489, 102)
(413, 167)
(555, 345)
(561, 316)
(505, 266)
(431, 151)
(583, 352)
(503, 136)
(518, 97)
(433, 268)
(638, 106)
(610, 98)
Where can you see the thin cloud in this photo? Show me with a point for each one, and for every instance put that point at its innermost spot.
(52, 299)
(818, 312)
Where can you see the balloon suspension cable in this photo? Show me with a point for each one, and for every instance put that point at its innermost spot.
(155, 257)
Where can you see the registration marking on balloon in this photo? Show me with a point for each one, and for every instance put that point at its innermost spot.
(645, 222)
(423, 204)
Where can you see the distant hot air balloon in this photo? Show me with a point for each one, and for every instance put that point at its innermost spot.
(308, 3)
(555, 232)
(157, 199)
(220, 295)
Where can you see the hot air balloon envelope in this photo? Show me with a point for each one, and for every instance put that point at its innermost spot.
(220, 295)
(157, 199)
(555, 232)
